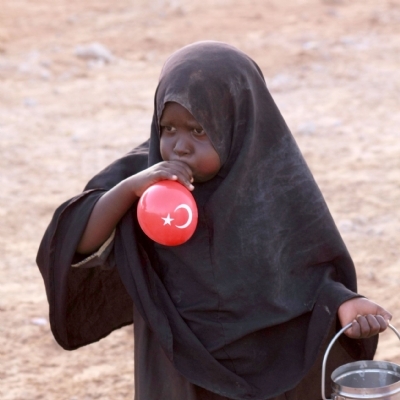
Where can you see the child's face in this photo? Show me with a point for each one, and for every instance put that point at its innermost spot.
(184, 139)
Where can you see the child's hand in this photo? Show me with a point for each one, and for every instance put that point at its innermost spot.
(368, 318)
(165, 170)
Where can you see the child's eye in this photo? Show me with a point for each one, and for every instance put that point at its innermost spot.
(168, 129)
(198, 131)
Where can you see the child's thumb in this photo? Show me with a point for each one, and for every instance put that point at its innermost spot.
(387, 316)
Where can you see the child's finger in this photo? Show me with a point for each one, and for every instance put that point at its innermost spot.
(383, 323)
(364, 326)
(183, 174)
(386, 315)
(374, 325)
(179, 166)
(354, 331)
(181, 178)
(176, 171)
(187, 184)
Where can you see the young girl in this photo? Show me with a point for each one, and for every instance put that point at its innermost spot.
(244, 309)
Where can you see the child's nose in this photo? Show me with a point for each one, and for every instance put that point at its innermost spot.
(182, 146)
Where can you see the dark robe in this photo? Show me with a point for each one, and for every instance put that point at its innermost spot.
(245, 307)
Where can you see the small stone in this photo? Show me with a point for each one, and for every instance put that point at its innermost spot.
(306, 128)
(281, 82)
(29, 102)
(94, 51)
(310, 45)
(345, 225)
(39, 321)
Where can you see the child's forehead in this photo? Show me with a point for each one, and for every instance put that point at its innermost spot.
(174, 111)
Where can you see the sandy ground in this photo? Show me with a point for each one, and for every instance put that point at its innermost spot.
(332, 67)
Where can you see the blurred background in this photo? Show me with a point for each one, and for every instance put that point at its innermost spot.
(77, 80)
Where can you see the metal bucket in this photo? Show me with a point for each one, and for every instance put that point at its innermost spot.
(363, 379)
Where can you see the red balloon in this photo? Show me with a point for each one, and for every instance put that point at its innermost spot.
(167, 213)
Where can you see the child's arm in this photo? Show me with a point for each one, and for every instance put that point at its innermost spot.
(112, 206)
(368, 318)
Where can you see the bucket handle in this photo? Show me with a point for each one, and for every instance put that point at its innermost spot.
(329, 349)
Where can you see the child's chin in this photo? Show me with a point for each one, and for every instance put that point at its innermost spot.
(202, 179)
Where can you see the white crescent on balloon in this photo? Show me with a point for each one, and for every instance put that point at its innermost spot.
(190, 216)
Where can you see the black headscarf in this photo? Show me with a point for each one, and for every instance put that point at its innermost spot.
(243, 307)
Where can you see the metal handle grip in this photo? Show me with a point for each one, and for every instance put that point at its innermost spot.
(329, 349)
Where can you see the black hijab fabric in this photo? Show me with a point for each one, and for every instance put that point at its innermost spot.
(243, 307)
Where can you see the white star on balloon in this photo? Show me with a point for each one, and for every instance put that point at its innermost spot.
(167, 220)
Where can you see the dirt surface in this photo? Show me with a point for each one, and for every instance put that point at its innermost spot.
(332, 67)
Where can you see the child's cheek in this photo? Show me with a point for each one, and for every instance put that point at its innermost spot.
(164, 149)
